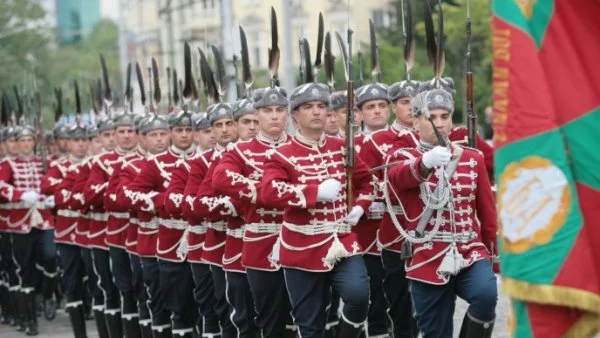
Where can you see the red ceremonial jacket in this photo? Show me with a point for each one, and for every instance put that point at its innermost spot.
(22, 174)
(79, 175)
(148, 193)
(239, 176)
(314, 234)
(475, 220)
(55, 183)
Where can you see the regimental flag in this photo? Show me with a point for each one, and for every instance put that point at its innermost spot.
(546, 85)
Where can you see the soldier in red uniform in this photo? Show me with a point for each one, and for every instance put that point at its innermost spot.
(450, 220)
(203, 135)
(318, 249)
(372, 103)
(103, 166)
(56, 184)
(238, 176)
(149, 192)
(60, 137)
(31, 223)
(143, 230)
(206, 230)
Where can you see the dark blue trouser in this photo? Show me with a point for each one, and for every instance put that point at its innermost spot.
(139, 290)
(71, 263)
(204, 294)
(434, 304)
(376, 320)
(156, 303)
(310, 294)
(271, 302)
(240, 299)
(36, 246)
(112, 299)
(177, 287)
(221, 306)
(395, 287)
(95, 292)
(123, 278)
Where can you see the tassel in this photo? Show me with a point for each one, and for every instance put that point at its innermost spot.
(452, 263)
(182, 250)
(274, 257)
(335, 252)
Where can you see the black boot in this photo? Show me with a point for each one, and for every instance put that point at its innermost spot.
(146, 330)
(31, 324)
(49, 303)
(20, 310)
(114, 325)
(164, 333)
(77, 321)
(132, 327)
(475, 328)
(101, 325)
(347, 330)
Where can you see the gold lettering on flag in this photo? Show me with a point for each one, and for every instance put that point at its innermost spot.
(500, 82)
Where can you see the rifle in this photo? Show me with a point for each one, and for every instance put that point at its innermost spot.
(471, 115)
(350, 129)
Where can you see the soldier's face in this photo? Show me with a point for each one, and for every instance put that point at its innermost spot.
(78, 147)
(225, 131)
(375, 114)
(182, 137)
(52, 147)
(402, 109)
(26, 144)
(332, 123)
(205, 139)
(108, 140)
(247, 127)
(62, 144)
(12, 147)
(442, 119)
(157, 141)
(272, 120)
(96, 145)
(311, 116)
(141, 140)
(126, 137)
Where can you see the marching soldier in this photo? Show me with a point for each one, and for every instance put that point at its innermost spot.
(148, 194)
(208, 294)
(154, 131)
(57, 183)
(318, 247)
(450, 220)
(238, 175)
(118, 223)
(102, 168)
(372, 102)
(31, 222)
(192, 240)
(60, 138)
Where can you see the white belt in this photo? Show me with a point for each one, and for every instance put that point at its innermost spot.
(99, 216)
(264, 228)
(173, 223)
(396, 209)
(449, 237)
(378, 214)
(68, 213)
(198, 229)
(218, 226)
(121, 215)
(153, 224)
(134, 221)
(236, 233)
(22, 205)
(319, 229)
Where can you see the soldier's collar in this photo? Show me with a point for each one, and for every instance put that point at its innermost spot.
(399, 128)
(26, 157)
(75, 160)
(270, 141)
(122, 151)
(185, 153)
(368, 131)
(310, 142)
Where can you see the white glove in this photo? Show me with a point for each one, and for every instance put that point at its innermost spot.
(49, 202)
(355, 215)
(436, 157)
(30, 197)
(377, 207)
(329, 190)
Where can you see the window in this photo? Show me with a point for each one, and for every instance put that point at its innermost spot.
(381, 18)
